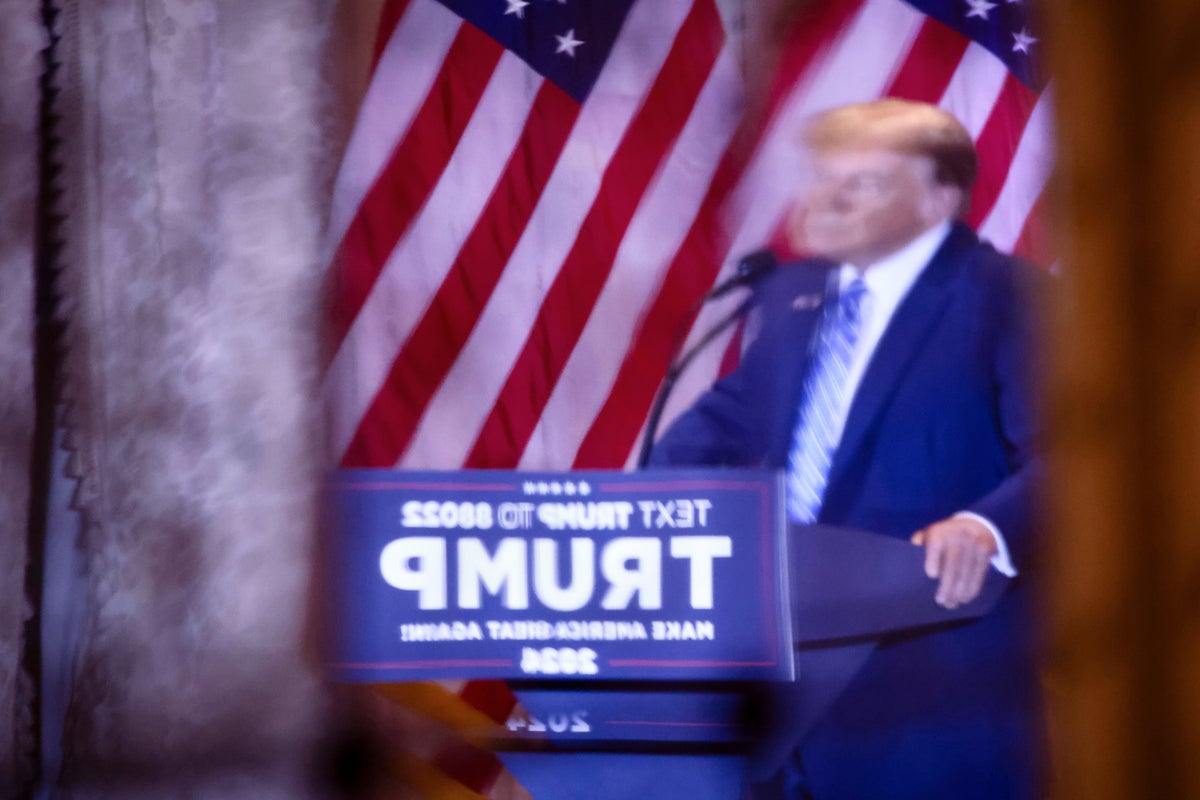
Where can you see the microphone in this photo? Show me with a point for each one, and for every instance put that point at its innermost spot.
(751, 269)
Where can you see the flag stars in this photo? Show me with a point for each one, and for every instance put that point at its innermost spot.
(979, 8)
(567, 43)
(516, 7)
(1022, 40)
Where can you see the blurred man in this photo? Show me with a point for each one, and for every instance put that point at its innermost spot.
(891, 382)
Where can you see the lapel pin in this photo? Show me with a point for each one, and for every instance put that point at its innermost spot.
(805, 302)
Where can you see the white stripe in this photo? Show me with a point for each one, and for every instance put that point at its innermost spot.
(464, 400)
(974, 88)
(420, 261)
(858, 68)
(825, 402)
(406, 70)
(816, 478)
(1031, 165)
(663, 220)
(631, 460)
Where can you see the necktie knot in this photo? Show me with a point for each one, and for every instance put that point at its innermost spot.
(851, 299)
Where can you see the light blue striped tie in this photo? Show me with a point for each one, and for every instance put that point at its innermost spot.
(818, 426)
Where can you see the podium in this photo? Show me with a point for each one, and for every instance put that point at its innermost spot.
(666, 634)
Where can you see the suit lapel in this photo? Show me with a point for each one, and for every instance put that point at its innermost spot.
(908, 329)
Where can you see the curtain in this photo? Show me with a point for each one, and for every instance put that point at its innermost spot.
(200, 140)
(21, 39)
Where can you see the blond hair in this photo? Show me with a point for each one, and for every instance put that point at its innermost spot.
(901, 126)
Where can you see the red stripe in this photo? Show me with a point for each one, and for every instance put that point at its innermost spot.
(812, 33)
(389, 18)
(1035, 242)
(611, 436)
(733, 350)
(569, 301)
(930, 64)
(492, 698)
(412, 172)
(998, 143)
(438, 338)
(473, 767)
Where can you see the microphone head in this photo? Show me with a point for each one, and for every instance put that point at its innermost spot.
(755, 266)
(750, 269)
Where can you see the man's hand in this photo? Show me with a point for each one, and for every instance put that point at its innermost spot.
(958, 552)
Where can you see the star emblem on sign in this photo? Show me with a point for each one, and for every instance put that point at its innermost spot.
(567, 43)
(1021, 41)
(979, 8)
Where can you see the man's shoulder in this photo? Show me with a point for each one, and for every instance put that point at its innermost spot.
(996, 270)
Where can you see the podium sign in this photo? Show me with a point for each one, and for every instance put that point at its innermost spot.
(678, 575)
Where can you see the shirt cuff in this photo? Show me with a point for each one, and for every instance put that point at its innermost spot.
(1001, 561)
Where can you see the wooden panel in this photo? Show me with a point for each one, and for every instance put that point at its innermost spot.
(1125, 401)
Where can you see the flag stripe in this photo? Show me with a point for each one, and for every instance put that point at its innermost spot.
(931, 63)
(609, 438)
(448, 430)
(663, 219)
(975, 88)
(490, 698)
(443, 330)
(473, 767)
(1028, 174)
(389, 19)
(732, 353)
(423, 779)
(813, 33)
(408, 69)
(401, 294)
(1009, 117)
(573, 294)
(1034, 242)
(419, 161)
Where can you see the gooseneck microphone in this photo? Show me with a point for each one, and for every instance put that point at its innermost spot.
(750, 270)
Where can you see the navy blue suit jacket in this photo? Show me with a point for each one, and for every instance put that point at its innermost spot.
(943, 421)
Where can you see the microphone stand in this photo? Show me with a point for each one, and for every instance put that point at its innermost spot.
(677, 368)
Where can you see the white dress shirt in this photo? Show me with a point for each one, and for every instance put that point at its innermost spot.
(888, 282)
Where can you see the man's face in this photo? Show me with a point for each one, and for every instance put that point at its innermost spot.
(866, 204)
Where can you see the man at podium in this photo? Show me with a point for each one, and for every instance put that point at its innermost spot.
(892, 381)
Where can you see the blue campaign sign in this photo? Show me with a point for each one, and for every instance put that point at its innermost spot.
(578, 575)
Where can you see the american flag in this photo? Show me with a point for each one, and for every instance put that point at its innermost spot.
(537, 191)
